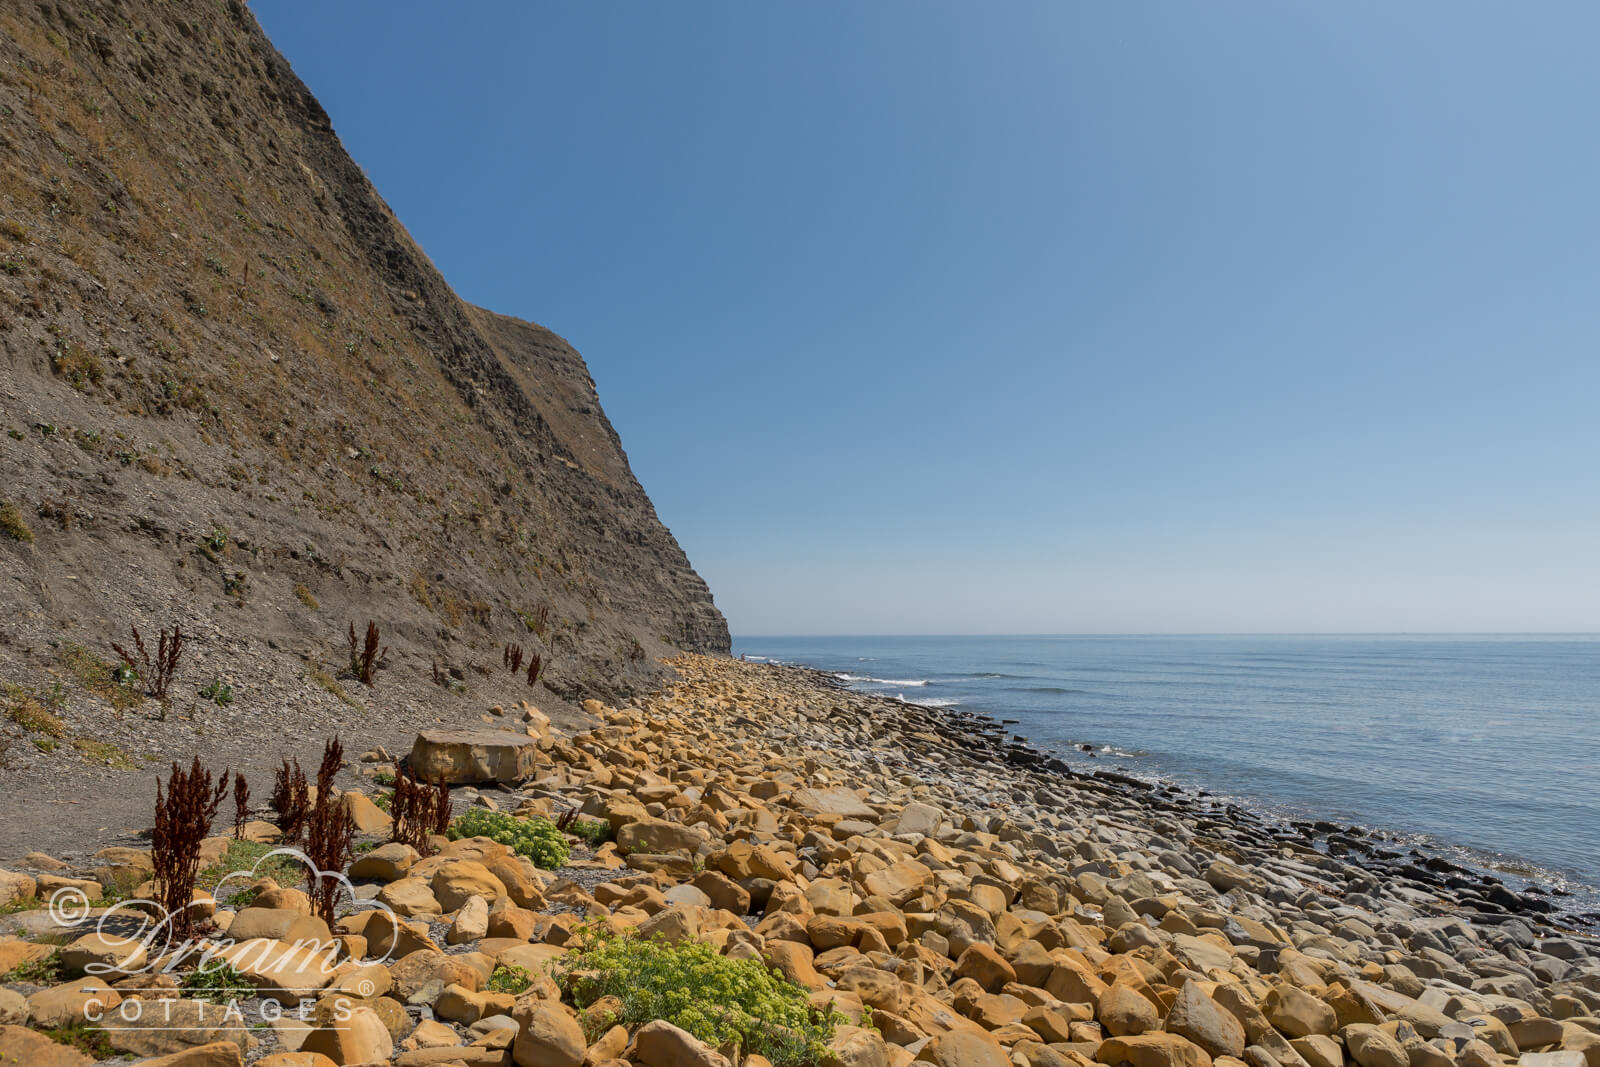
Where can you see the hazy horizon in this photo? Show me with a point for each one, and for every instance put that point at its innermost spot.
(1039, 318)
(1187, 633)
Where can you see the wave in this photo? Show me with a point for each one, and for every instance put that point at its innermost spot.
(934, 702)
(846, 676)
(1047, 689)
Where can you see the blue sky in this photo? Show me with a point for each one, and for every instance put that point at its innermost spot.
(1039, 317)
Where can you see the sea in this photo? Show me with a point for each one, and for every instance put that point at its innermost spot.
(1484, 749)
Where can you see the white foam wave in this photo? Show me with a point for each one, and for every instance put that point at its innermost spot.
(846, 676)
(933, 702)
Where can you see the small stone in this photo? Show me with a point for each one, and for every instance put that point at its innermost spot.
(547, 1036)
(986, 967)
(658, 836)
(1197, 1017)
(362, 1037)
(1124, 1011)
(963, 1048)
(19, 1045)
(660, 1044)
(471, 922)
(1372, 1047)
(367, 816)
(388, 862)
(70, 1002)
(1298, 1013)
(918, 818)
(101, 954)
(409, 897)
(14, 1009)
(15, 885)
(1152, 1050)
(456, 881)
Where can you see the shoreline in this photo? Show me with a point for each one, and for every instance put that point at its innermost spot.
(990, 905)
(1534, 892)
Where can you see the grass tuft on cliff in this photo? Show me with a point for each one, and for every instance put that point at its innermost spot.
(13, 525)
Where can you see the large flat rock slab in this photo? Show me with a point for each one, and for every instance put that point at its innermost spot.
(464, 756)
(834, 800)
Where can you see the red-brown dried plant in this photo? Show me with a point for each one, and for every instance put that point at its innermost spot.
(513, 658)
(441, 805)
(291, 799)
(183, 820)
(419, 809)
(367, 657)
(241, 804)
(535, 665)
(439, 677)
(156, 674)
(330, 832)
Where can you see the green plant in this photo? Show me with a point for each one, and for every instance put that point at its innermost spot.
(331, 684)
(117, 684)
(26, 708)
(509, 978)
(245, 897)
(719, 1000)
(104, 753)
(40, 972)
(91, 1040)
(219, 692)
(16, 904)
(13, 525)
(538, 839)
(593, 832)
(248, 856)
(81, 369)
(305, 597)
(216, 981)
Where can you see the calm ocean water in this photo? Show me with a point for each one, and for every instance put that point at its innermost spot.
(1487, 748)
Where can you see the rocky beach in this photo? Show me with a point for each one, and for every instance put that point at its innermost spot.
(955, 896)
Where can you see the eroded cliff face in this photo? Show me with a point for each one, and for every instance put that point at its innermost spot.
(234, 394)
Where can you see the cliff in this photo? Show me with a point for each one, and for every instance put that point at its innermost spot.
(235, 395)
